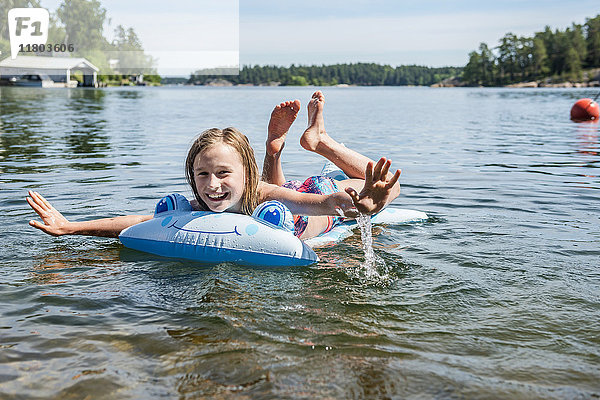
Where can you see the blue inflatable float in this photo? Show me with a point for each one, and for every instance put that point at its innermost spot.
(177, 231)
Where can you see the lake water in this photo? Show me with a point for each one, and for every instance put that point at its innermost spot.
(497, 295)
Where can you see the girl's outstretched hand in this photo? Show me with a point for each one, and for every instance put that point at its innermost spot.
(378, 190)
(55, 223)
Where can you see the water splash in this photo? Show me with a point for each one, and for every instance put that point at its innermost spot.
(373, 269)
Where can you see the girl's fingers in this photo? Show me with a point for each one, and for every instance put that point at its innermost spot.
(34, 196)
(46, 202)
(377, 170)
(385, 170)
(41, 207)
(353, 194)
(39, 200)
(32, 200)
(353, 211)
(37, 225)
(35, 206)
(369, 173)
(394, 179)
(42, 227)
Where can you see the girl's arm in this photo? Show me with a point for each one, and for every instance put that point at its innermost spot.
(306, 203)
(377, 192)
(55, 224)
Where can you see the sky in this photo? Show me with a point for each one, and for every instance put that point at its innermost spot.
(266, 32)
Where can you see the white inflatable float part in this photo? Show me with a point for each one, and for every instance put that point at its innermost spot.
(177, 232)
(386, 216)
(216, 238)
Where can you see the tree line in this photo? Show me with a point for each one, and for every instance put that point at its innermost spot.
(562, 55)
(362, 74)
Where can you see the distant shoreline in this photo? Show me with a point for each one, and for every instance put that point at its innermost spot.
(591, 78)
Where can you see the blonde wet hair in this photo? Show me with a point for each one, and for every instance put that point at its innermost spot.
(239, 142)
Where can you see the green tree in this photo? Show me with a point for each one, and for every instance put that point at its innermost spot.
(507, 58)
(524, 58)
(558, 55)
(562, 54)
(297, 80)
(56, 32)
(472, 72)
(83, 22)
(488, 64)
(592, 28)
(480, 68)
(130, 53)
(539, 58)
(577, 41)
(573, 64)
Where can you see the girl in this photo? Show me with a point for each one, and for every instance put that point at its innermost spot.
(222, 172)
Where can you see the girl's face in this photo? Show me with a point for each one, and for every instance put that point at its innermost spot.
(220, 178)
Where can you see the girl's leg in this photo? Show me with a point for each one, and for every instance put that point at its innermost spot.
(282, 118)
(307, 227)
(315, 139)
(316, 226)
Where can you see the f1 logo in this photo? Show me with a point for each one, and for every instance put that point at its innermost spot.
(27, 26)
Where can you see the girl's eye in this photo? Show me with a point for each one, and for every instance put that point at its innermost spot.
(224, 172)
(202, 173)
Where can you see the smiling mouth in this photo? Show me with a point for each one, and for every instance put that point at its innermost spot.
(217, 197)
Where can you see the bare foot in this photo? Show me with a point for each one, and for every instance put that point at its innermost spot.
(315, 133)
(282, 117)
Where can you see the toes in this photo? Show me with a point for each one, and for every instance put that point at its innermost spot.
(290, 105)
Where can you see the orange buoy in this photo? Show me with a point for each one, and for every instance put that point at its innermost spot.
(585, 110)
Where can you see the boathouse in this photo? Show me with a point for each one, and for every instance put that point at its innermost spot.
(59, 69)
